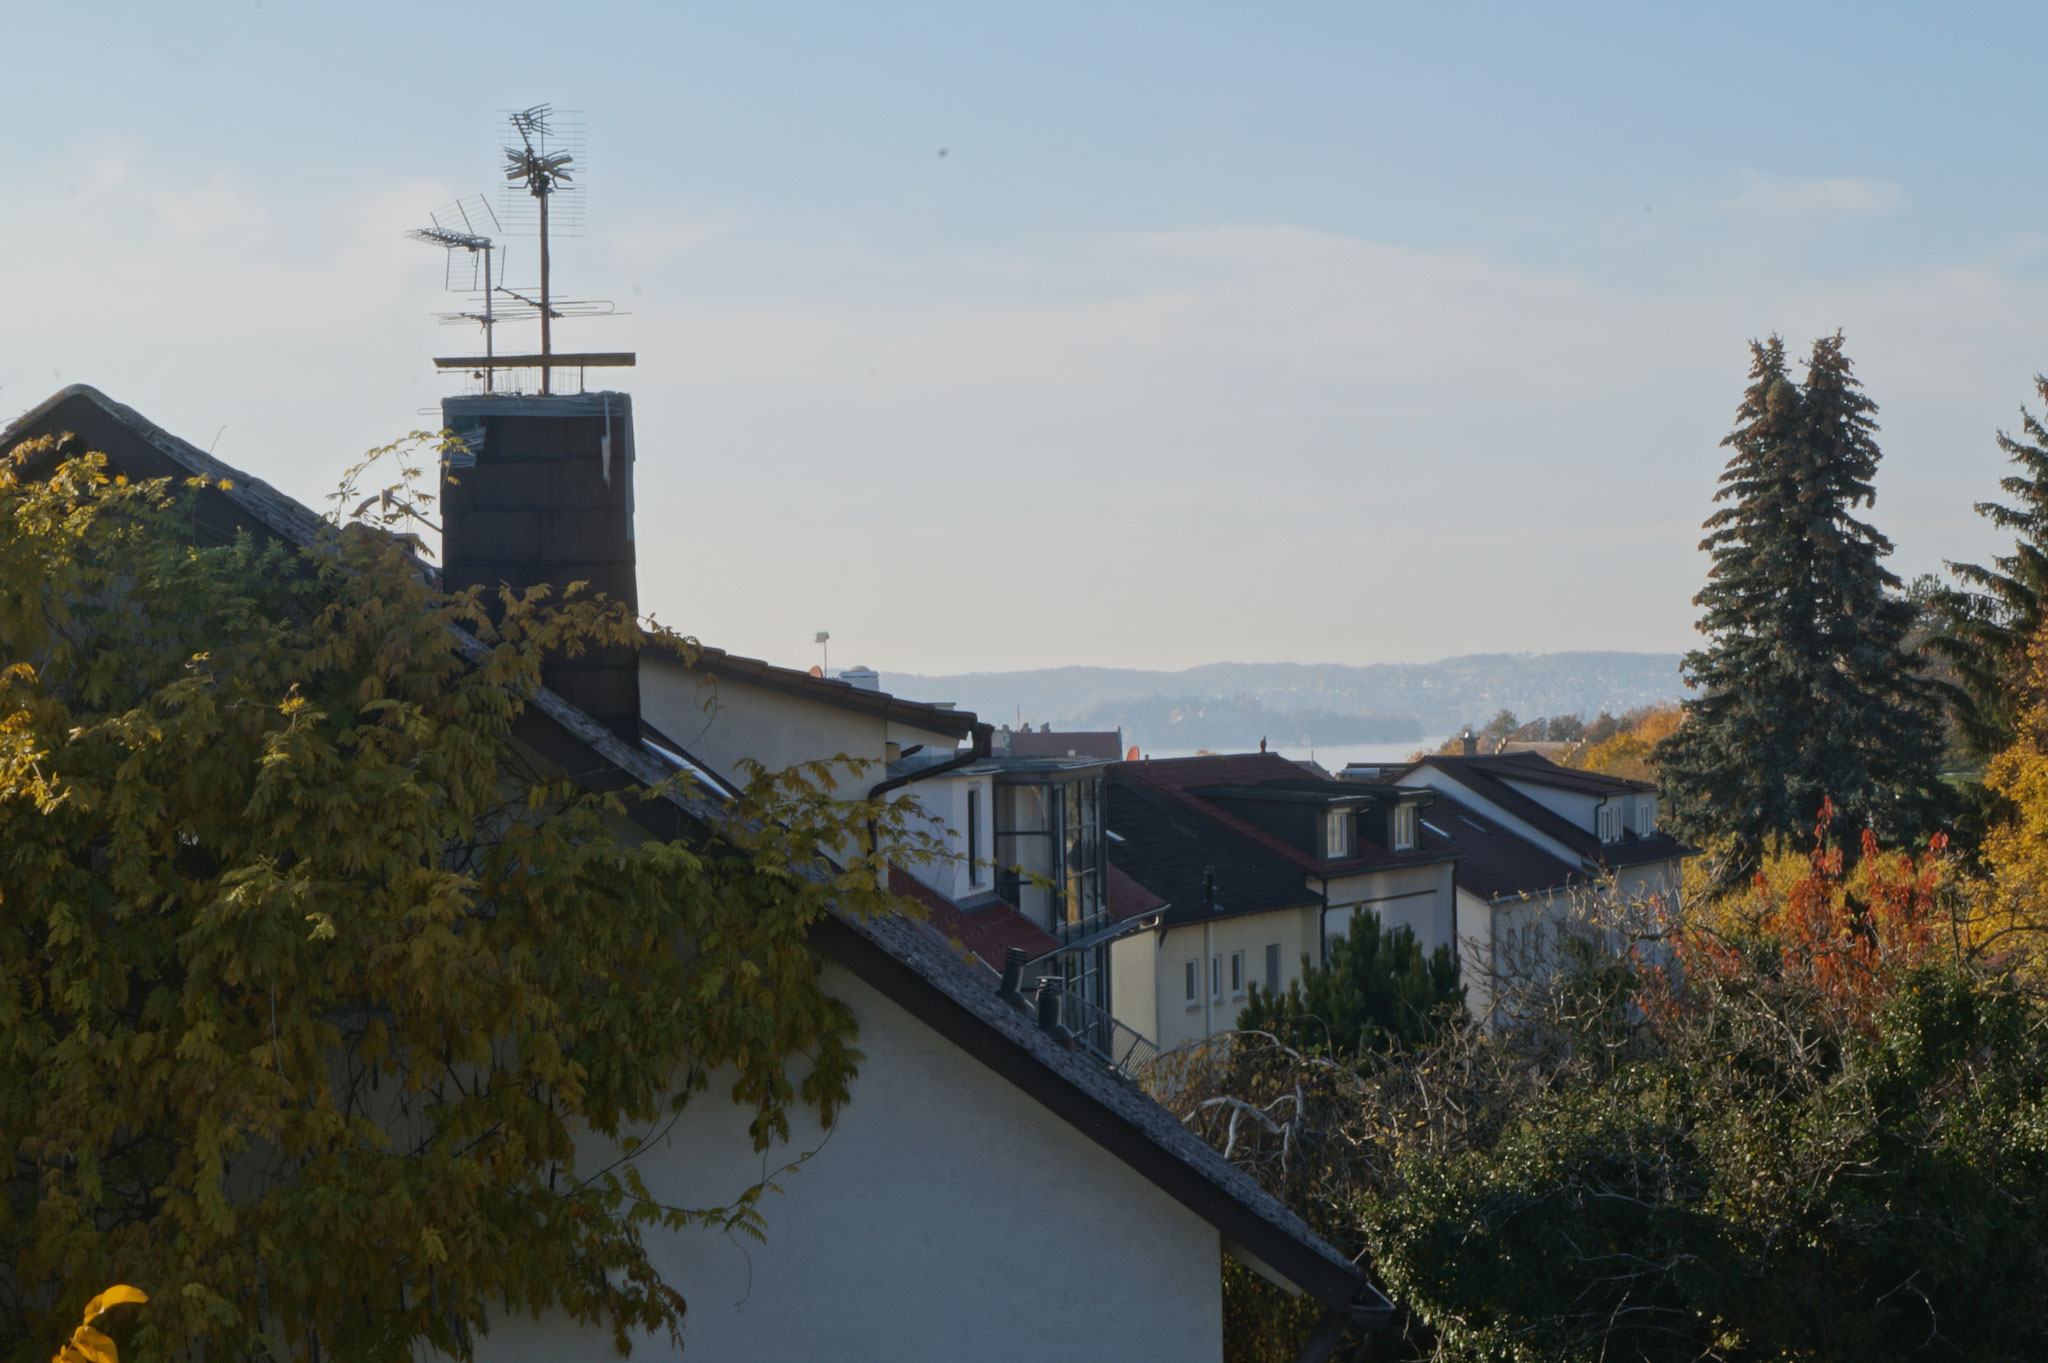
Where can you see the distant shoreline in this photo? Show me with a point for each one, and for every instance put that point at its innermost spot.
(1298, 705)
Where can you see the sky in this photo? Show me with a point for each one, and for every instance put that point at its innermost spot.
(993, 335)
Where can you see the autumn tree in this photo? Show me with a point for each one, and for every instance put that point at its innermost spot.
(1628, 747)
(1802, 692)
(1995, 610)
(332, 1018)
(1819, 1133)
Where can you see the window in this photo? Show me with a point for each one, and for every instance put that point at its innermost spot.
(1194, 1001)
(1610, 823)
(974, 868)
(1404, 821)
(1237, 974)
(1216, 977)
(1336, 833)
(1646, 816)
(1272, 967)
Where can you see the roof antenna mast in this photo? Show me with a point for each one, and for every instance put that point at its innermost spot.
(543, 167)
(542, 172)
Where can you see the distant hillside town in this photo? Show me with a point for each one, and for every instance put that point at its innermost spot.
(1234, 705)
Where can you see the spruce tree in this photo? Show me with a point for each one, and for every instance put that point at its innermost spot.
(1804, 691)
(1377, 991)
(1997, 609)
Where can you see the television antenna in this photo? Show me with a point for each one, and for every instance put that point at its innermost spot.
(459, 229)
(543, 160)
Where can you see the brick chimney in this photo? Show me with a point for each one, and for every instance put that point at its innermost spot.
(542, 491)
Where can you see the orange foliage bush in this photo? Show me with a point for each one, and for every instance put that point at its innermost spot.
(1844, 937)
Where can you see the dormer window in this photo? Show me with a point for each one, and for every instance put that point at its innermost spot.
(1646, 816)
(1401, 825)
(1610, 823)
(1336, 833)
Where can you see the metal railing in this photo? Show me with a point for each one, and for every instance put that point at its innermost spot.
(1112, 1041)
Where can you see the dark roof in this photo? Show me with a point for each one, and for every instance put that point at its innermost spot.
(1536, 769)
(1164, 846)
(943, 719)
(1493, 862)
(903, 959)
(1186, 781)
(986, 930)
(1486, 777)
(143, 450)
(1034, 743)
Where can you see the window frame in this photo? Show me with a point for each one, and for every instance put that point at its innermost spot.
(1273, 971)
(975, 871)
(1237, 977)
(1337, 834)
(1404, 830)
(1193, 977)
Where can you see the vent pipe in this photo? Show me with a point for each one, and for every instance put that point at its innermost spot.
(1049, 995)
(1013, 977)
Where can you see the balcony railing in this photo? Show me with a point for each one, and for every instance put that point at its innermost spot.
(1119, 1045)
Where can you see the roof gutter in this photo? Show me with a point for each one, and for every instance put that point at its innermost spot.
(1111, 933)
(983, 736)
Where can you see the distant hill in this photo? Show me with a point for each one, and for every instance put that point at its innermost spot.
(1235, 704)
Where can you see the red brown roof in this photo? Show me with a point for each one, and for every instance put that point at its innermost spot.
(1128, 899)
(985, 933)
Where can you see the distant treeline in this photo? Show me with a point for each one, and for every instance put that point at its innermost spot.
(1238, 723)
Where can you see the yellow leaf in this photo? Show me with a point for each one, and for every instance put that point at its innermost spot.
(89, 1346)
(120, 1294)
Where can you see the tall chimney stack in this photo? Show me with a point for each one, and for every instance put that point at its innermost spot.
(542, 491)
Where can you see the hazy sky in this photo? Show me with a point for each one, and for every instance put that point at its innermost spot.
(1317, 332)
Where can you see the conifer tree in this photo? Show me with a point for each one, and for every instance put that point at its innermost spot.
(1378, 990)
(1996, 610)
(1804, 692)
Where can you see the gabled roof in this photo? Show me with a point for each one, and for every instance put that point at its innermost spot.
(904, 959)
(1488, 778)
(943, 719)
(1493, 861)
(1188, 782)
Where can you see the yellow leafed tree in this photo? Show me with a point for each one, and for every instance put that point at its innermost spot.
(2013, 900)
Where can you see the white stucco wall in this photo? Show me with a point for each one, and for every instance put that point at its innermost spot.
(722, 719)
(1421, 898)
(1163, 954)
(947, 1217)
(945, 799)
(1576, 806)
